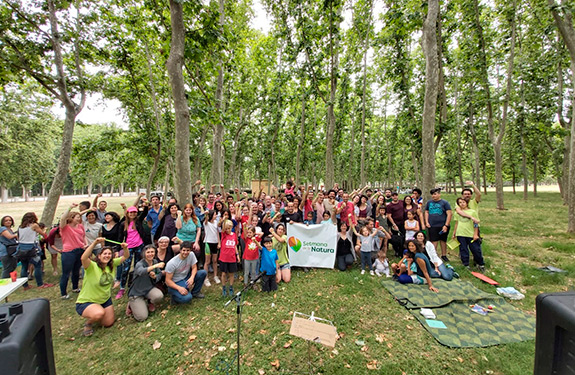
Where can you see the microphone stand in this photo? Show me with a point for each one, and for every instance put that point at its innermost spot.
(238, 298)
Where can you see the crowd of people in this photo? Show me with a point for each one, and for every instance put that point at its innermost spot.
(154, 248)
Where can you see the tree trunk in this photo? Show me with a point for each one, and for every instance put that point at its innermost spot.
(182, 114)
(72, 110)
(352, 150)
(334, 61)
(154, 169)
(513, 179)
(430, 101)
(112, 190)
(89, 188)
(4, 193)
(217, 170)
(535, 174)
(198, 157)
(496, 139)
(484, 177)
(524, 166)
(121, 190)
(43, 189)
(364, 102)
(301, 137)
(565, 25)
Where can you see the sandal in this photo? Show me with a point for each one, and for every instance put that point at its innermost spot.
(88, 331)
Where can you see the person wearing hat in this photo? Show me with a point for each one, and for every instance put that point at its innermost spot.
(183, 279)
(136, 238)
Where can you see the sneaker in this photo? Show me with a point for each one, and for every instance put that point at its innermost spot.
(67, 296)
(231, 290)
(468, 268)
(217, 279)
(199, 295)
(481, 268)
(363, 272)
(151, 307)
(30, 277)
(456, 275)
(77, 290)
(120, 293)
(371, 273)
(224, 291)
(46, 285)
(379, 274)
(445, 258)
(207, 282)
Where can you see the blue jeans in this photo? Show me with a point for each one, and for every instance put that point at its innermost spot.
(465, 245)
(71, 264)
(198, 283)
(365, 259)
(446, 273)
(37, 263)
(136, 254)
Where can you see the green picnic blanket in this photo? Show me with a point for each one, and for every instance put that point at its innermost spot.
(464, 328)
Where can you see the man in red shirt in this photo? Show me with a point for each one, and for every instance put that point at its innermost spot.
(345, 208)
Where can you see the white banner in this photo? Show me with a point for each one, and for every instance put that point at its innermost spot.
(312, 245)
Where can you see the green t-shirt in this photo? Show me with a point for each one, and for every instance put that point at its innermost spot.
(464, 225)
(474, 206)
(281, 249)
(97, 285)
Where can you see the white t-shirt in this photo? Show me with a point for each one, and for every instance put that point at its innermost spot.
(211, 232)
(181, 267)
(92, 232)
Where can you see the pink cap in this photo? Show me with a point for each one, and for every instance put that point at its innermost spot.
(132, 209)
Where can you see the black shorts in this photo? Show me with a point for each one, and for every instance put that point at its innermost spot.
(80, 307)
(229, 267)
(435, 236)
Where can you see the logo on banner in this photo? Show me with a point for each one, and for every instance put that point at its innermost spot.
(294, 243)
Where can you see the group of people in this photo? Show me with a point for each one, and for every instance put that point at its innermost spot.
(158, 248)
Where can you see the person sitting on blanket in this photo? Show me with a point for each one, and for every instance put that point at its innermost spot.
(424, 268)
(405, 270)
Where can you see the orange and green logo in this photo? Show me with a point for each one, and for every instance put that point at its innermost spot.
(294, 243)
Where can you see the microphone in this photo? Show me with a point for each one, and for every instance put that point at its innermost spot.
(238, 294)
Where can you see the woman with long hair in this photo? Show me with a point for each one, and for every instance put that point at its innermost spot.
(189, 228)
(28, 249)
(7, 238)
(135, 238)
(94, 302)
(73, 242)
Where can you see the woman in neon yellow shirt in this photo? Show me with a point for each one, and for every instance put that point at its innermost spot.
(94, 302)
(467, 233)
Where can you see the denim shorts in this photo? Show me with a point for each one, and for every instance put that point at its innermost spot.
(285, 266)
(80, 307)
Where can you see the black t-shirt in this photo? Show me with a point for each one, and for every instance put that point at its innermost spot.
(343, 246)
(295, 217)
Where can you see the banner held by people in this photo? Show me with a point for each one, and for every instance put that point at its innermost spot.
(312, 245)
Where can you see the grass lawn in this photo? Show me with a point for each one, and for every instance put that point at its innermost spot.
(197, 338)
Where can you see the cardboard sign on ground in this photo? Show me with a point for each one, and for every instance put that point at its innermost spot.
(311, 330)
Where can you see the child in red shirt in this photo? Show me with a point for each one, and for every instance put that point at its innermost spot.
(251, 255)
(228, 256)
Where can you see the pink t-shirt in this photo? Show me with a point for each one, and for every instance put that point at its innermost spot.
(133, 239)
(228, 248)
(308, 206)
(72, 237)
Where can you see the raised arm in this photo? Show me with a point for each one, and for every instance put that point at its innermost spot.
(86, 262)
(64, 217)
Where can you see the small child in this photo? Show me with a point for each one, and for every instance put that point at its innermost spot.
(228, 256)
(309, 218)
(381, 222)
(269, 265)
(364, 245)
(381, 265)
(251, 256)
(411, 226)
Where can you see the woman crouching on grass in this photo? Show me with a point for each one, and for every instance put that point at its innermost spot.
(147, 273)
(94, 302)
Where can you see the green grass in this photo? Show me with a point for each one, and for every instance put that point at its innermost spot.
(526, 236)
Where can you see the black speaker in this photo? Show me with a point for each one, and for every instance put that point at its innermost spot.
(555, 337)
(26, 338)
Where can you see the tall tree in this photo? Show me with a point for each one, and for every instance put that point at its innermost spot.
(431, 89)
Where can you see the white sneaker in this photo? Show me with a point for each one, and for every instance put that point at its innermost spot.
(379, 274)
(217, 279)
(207, 283)
(371, 273)
(363, 272)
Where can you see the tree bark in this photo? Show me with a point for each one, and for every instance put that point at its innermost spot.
(329, 136)
(535, 174)
(430, 100)
(524, 166)
(565, 25)
(72, 110)
(182, 115)
(217, 170)
(301, 140)
(364, 101)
